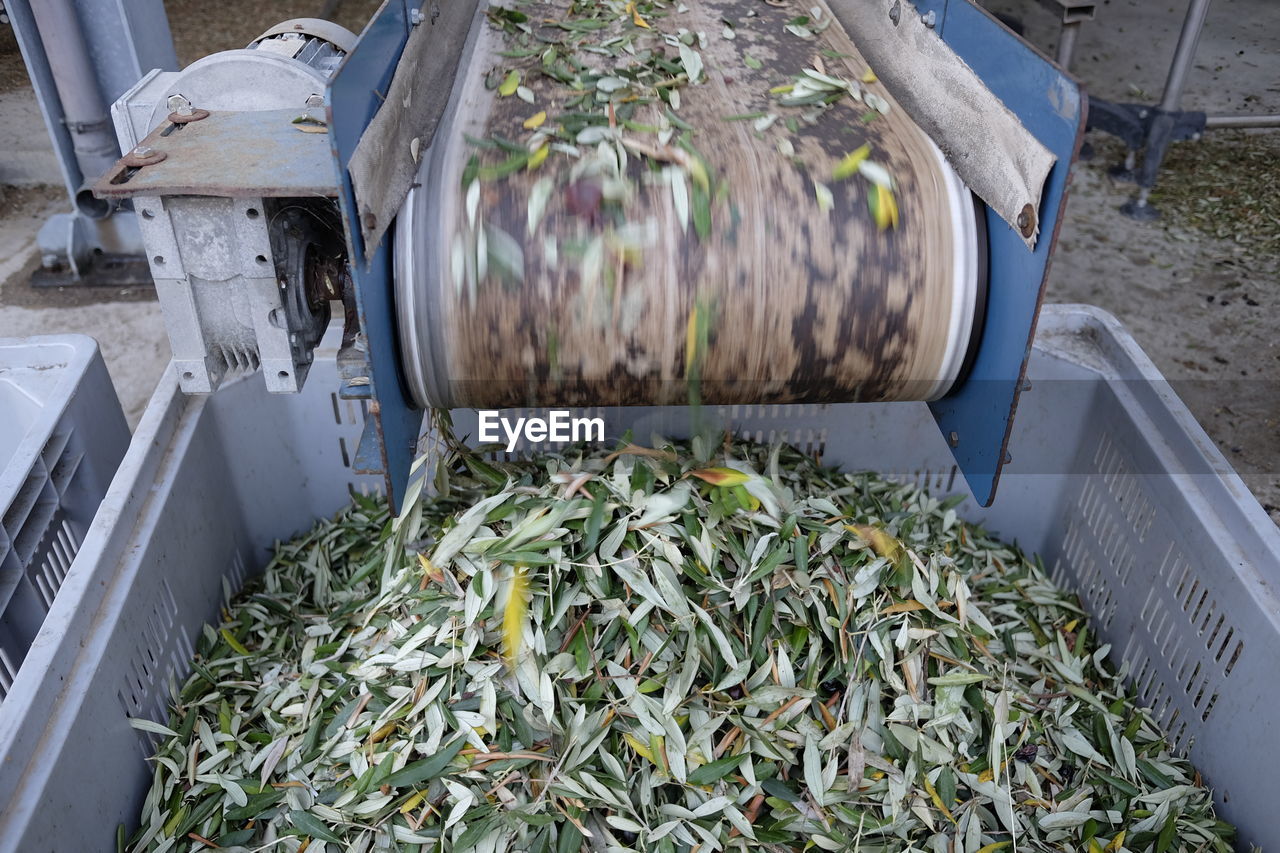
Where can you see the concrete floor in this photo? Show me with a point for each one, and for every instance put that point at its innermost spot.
(1203, 307)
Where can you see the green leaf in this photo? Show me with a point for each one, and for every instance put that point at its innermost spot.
(715, 771)
(311, 825)
(428, 768)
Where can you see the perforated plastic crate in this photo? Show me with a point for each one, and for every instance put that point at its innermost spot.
(62, 434)
(1112, 482)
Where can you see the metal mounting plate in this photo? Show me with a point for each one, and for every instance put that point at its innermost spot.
(230, 155)
(978, 418)
(371, 368)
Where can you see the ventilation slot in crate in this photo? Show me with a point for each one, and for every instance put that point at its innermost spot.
(158, 653)
(38, 542)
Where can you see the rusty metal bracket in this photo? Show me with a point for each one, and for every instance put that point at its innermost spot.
(143, 155)
(194, 115)
(226, 154)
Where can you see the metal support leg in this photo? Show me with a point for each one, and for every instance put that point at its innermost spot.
(1225, 122)
(1067, 43)
(84, 112)
(1165, 117)
(80, 56)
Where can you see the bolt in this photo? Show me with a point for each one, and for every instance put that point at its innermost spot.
(1027, 220)
(954, 439)
(180, 105)
(931, 19)
(416, 17)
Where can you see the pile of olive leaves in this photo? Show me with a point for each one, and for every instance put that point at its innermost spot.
(747, 652)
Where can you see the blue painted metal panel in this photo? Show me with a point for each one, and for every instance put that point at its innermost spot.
(979, 417)
(353, 96)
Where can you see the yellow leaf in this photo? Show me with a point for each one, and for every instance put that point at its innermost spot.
(937, 800)
(994, 846)
(989, 775)
(1117, 842)
(510, 84)
(781, 90)
(233, 642)
(641, 749)
(698, 172)
(535, 121)
(413, 802)
(885, 208)
(849, 165)
(538, 157)
(902, 607)
(514, 615)
(691, 341)
(868, 76)
(722, 476)
(882, 543)
(382, 733)
(635, 16)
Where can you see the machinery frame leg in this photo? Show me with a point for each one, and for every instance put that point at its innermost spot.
(80, 56)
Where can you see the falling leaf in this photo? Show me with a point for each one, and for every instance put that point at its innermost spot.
(515, 615)
(539, 195)
(510, 84)
(881, 542)
(875, 173)
(884, 209)
(692, 62)
(679, 196)
(635, 16)
(537, 158)
(721, 476)
(825, 200)
(691, 341)
(849, 165)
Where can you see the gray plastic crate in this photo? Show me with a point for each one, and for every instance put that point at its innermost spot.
(62, 434)
(1112, 482)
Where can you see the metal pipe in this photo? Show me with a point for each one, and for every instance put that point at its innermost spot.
(1216, 122)
(83, 108)
(1067, 43)
(1184, 54)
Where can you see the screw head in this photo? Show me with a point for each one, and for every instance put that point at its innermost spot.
(180, 105)
(416, 17)
(1027, 221)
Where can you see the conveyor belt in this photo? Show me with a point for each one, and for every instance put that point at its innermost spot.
(708, 243)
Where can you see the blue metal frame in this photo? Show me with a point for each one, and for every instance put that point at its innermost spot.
(391, 430)
(978, 418)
